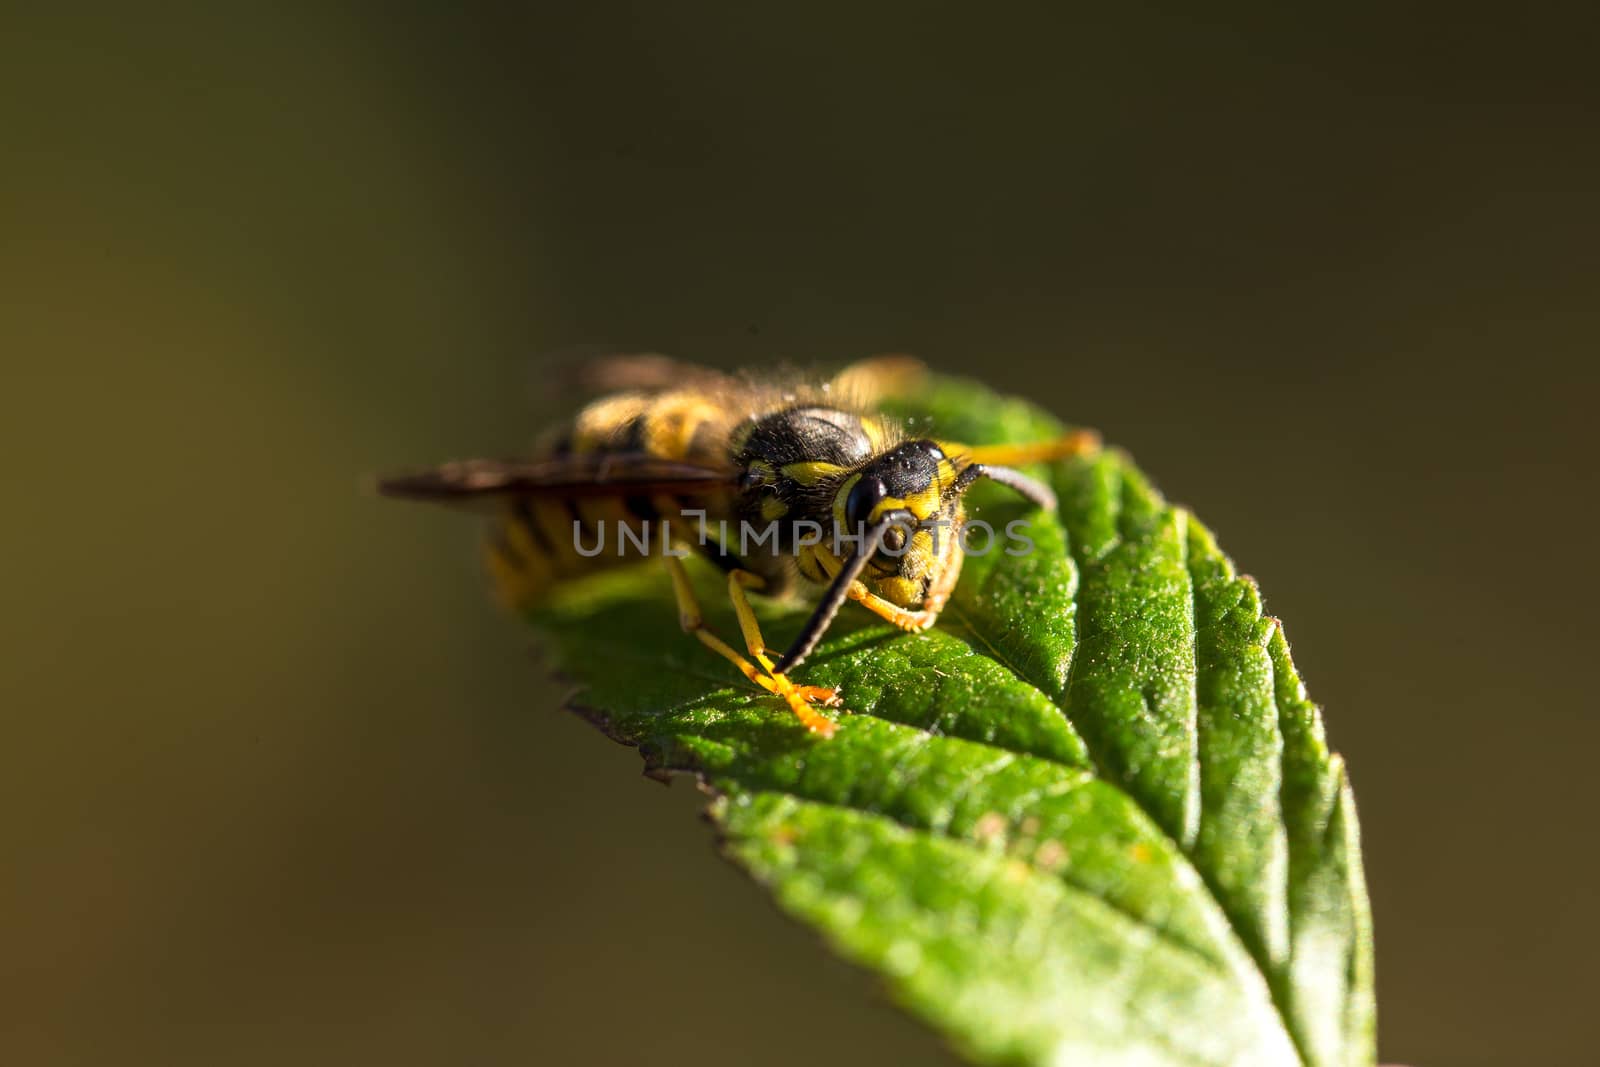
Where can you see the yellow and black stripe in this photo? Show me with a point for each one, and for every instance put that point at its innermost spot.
(543, 540)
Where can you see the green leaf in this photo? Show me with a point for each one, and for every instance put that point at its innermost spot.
(1089, 818)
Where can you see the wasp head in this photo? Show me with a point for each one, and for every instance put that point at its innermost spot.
(917, 489)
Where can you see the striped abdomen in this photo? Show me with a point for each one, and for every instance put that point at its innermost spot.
(541, 540)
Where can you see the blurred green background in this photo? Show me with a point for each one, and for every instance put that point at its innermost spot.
(279, 784)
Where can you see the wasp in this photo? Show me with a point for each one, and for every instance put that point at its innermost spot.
(678, 459)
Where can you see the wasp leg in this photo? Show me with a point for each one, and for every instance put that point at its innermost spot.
(1077, 443)
(914, 621)
(905, 618)
(738, 582)
(944, 585)
(921, 619)
(690, 619)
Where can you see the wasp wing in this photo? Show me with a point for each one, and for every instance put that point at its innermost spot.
(597, 474)
(645, 372)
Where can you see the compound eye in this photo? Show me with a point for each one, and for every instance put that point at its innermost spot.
(932, 451)
(863, 498)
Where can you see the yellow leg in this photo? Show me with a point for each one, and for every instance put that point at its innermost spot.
(1077, 443)
(797, 697)
(915, 621)
(738, 582)
(945, 584)
(905, 618)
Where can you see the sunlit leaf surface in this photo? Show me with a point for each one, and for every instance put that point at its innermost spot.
(1090, 818)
